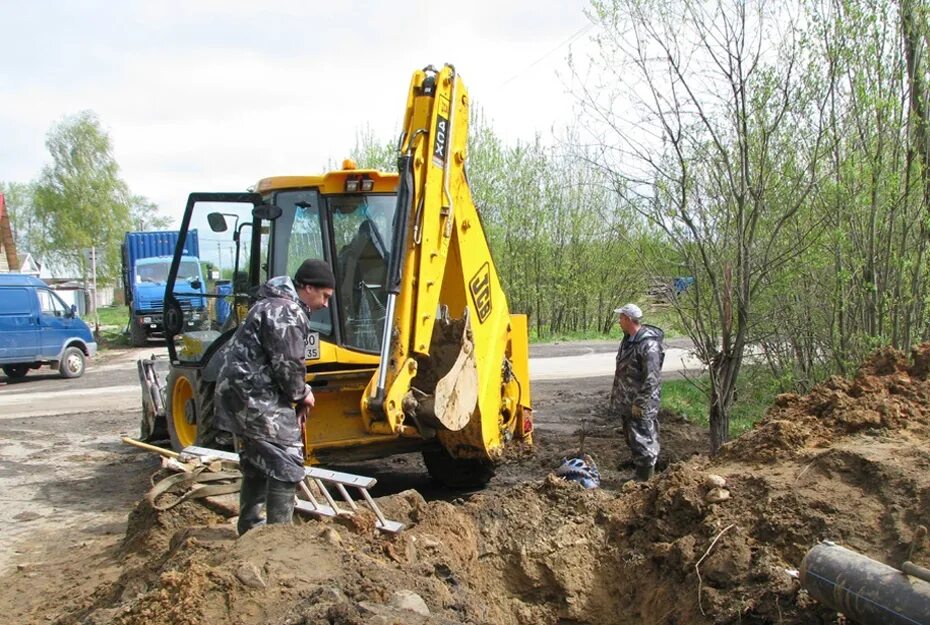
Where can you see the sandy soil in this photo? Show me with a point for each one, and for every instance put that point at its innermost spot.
(847, 462)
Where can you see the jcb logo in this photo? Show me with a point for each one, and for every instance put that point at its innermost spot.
(441, 142)
(480, 287)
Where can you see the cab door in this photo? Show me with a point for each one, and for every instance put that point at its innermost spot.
(55, 324)
(232, 243)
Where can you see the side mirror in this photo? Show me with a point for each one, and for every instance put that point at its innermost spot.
(268, 212)
(196, 284)
(72, 312)
(217, 222)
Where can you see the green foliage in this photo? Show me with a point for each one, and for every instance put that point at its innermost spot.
(564, 247)
(556, 232)
(686, 398)
(143, 215)
(27, 230)
(755, 393)
(371, 153)
(113, 320)
(80, 200)
(781, 162)
(117, 316)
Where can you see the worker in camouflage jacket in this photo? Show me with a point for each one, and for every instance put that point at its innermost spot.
(261, 380)
(637, 388)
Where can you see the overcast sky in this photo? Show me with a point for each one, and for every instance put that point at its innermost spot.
(212, 95)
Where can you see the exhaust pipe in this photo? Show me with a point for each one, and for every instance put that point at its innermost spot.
(866, 591)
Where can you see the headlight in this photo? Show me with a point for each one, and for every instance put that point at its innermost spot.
(146, 320)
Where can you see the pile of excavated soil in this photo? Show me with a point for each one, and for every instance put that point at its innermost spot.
(848, 462)
(889, 394)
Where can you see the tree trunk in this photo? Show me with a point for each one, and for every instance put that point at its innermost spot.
(723, 375)
(916, 75)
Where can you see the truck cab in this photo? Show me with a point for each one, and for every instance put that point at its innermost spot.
(150, 276)
(37, 328)
(147, 258)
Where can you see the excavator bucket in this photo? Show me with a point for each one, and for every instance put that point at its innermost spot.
(457, 392)
(152, 375)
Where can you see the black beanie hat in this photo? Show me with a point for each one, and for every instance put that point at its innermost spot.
(316, 273)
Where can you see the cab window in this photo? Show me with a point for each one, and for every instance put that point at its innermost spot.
(50, 304)
(15, 301)
(362, 236)
(298, 235)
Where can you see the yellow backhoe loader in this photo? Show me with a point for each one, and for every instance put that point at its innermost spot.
(417, 351)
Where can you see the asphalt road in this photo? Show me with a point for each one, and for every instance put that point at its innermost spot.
(111, 381)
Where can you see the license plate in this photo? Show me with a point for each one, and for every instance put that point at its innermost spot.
(313, 346)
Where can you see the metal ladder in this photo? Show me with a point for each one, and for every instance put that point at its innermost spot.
(317, 478)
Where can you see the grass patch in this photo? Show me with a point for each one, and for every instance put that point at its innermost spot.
(755, 391)
(111, 338)
(113, 316)
(664, 318)
(113, 321)
(568, 337)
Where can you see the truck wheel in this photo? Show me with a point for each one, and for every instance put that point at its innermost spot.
(137, 335)
(71, 364)
(191, 409)
(16, 372)
(458, 473)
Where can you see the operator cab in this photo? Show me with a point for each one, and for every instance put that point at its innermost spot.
(344, 217)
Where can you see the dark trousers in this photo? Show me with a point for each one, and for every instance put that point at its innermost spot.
(260, 491)
(642, 437)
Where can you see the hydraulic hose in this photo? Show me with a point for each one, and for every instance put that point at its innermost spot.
(395, 266)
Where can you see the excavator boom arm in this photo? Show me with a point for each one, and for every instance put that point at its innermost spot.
(453, 359)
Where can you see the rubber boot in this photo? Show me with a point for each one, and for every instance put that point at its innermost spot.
(644, 473)
(251, 501)
(279, 506)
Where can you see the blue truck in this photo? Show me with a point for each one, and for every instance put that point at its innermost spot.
(146, 262)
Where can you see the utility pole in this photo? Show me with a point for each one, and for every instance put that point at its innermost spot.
(93, 269)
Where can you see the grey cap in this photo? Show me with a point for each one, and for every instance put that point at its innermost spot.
(632, 311)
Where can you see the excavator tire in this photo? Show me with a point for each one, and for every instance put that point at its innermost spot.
(457, 473)
(207, 434)
(190, 410)
(182, 408)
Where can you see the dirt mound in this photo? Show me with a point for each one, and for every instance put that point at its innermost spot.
(149, 530)
(543, 553)
(707, 541)
(888, 394)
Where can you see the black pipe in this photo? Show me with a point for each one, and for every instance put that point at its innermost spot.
(866, 591)
(916, 571)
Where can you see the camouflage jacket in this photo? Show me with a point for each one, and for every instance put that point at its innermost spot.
(263, 369)
(638, 379)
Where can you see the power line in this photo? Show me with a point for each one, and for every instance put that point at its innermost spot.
(566, 42)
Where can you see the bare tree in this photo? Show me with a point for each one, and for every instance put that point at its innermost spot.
(709, 117)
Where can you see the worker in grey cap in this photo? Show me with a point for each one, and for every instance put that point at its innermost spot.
(637, 387)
